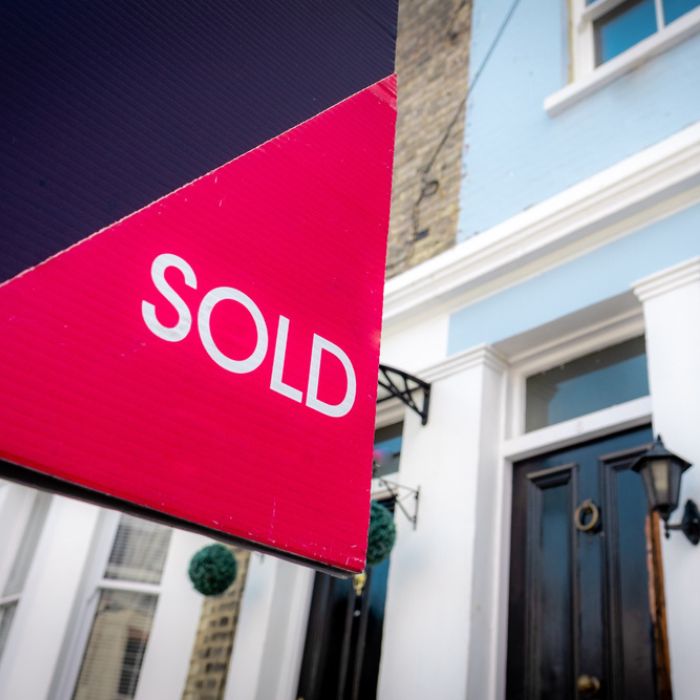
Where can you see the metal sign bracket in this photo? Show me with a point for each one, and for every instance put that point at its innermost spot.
(402, 494)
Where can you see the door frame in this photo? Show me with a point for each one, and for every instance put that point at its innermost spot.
(546, 348)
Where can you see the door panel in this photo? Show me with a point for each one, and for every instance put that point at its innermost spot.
(579, 587)
(551, 491)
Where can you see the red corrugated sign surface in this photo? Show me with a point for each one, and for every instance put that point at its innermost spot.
(213, 356)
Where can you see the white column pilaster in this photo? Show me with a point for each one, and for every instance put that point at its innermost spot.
(271, 630)
(440, 601)
(175, 623)
(671, 300)
(39, 629)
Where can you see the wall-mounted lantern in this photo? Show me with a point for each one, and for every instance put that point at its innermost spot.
(661, 473)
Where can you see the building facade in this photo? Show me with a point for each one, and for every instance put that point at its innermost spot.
(558, 333)
(557, 325)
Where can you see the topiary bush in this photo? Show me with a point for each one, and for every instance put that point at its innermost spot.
(212, 569)
(382, 534)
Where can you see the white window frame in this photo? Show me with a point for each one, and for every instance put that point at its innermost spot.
(18, 505)
(586, 78)
(602, 335)
(94, 583)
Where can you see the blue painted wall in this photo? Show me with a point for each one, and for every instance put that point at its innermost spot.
(586, 280)
(515, 154)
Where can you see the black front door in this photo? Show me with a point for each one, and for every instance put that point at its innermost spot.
(344, 636)
(584, 583)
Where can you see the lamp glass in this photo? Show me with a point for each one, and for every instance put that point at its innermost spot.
(662, 481)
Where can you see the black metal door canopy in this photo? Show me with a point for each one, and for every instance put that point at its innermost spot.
(395, 383)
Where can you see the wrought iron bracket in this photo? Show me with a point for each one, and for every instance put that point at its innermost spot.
(689, 525)
(402, 494)
(402, 386)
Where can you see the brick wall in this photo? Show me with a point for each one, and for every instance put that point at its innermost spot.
(431, 62)
(211, 654)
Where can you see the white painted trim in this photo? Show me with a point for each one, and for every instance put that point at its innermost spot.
(598, 9)
(389, 412)
(668, 280)
(254, 618)
(83, 613)
(48, 601)
(501, 576)
(92, 584)
(15, 511)
(113, 584)
(297, 608)
(663, 40)
(620, 192)
(606, 332)
(660, 17)
(601, 334)
(570, 347)
(582, 46)
(269, 639)
(481, 355)
(175, 623)
(588, 427)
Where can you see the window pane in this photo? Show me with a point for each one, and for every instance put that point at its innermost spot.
(673, 9)
(139, 550)
(623, 27)
(601, 379)
(387, 449)
(7, 612)
(114, 653)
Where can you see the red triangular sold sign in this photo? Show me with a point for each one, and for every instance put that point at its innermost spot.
(213, 357)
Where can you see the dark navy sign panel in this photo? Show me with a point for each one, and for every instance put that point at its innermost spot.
(108, 105)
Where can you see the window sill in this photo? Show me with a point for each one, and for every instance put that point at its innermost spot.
(656, 44)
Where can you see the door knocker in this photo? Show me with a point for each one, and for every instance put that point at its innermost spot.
(587, 516)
